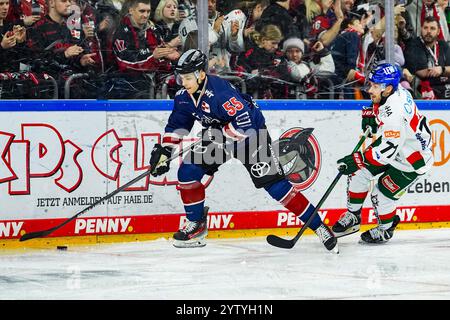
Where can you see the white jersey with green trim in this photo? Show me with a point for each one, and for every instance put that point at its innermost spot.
(405, 135)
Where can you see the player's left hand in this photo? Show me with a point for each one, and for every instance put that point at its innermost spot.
(351, 163)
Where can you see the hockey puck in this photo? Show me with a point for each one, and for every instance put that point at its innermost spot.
(61, 247)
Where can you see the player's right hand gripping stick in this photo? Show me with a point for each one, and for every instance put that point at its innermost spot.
(159, 160)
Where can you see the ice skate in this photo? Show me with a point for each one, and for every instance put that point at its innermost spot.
(378, 235)
(327, 237)
(348, 223)
(193, 233)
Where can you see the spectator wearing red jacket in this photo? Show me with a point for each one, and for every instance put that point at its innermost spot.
(140, 53)
(136, 46)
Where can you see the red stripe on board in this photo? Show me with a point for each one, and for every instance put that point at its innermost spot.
(166, 223)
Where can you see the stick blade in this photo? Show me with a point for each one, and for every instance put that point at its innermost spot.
(32, 235)
(280, 242)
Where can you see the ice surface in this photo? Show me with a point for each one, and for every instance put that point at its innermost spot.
(415, 264)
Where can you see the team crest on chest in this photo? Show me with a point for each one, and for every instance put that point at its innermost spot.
(205, 107)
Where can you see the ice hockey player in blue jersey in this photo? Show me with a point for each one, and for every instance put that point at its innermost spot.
(233, 126)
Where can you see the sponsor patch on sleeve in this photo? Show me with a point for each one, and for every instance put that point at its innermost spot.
(392, 134)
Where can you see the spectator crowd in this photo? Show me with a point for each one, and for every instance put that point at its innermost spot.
(281, 49)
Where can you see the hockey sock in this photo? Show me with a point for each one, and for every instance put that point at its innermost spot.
(193, 197)
(386, 219)
(355, 200)
(284, 192)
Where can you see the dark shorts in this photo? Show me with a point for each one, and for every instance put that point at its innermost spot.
(255, 153)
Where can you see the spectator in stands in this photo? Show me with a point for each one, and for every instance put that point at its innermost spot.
(27, 11)
(107, 16)
(419, 9)
(83, 23)
(325, 18)
(136, 45)
(12, 37)
(404, 27)
(428, 58)
(298, 11)
(278, 14)
(167, 22)
(138, 50)
(215, 20)
(319, 61)
(240, 23)
(347, 6)
(51, 37)
(264, 62)
(347, 55)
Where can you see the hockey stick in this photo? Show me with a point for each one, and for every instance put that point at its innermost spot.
(40, 234)
(290, 243)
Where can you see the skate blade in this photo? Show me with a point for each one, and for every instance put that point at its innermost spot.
(193, 243)
(347, 232)
(335, 250)
(364, 243)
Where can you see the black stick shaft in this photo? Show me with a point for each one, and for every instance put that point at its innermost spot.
(284, 243)
(39, 234)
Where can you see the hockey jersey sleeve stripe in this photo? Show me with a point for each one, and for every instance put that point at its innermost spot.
(230, 132)
(171, 139)
(416, 160)
(368, 156)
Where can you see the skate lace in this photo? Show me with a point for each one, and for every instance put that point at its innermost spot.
(347, 219)
(190, 226)
(323, 233)
(377, 233)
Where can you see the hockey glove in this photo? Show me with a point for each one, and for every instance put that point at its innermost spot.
(369, 119)
(351, 163)
(159, 160)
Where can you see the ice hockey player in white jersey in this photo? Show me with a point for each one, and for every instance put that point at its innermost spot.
(397, 158)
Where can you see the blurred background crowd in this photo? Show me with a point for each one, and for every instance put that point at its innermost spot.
(291, 49)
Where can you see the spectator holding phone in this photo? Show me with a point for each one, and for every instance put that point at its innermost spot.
(12, 37)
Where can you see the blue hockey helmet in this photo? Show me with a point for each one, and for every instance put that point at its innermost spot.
(386, 74)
